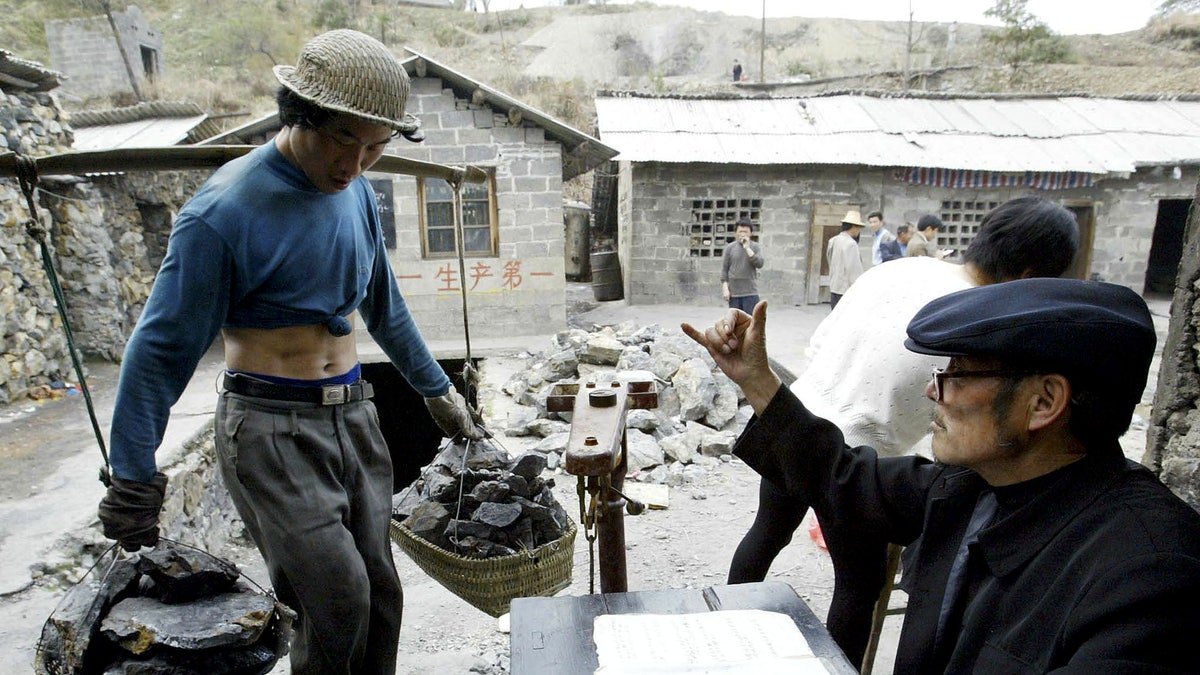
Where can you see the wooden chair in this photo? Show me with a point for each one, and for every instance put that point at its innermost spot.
(882, 610)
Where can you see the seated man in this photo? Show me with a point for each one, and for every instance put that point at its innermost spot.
(1033, 544)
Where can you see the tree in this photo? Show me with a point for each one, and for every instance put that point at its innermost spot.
(1169, 7)
(1024, 38)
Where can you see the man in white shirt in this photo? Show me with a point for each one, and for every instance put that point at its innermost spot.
(879, 235)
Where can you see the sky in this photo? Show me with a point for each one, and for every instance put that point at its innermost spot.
(1063, 16)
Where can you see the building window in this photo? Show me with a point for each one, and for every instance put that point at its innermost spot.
(713, 224)
(960, 222)
(437, 218)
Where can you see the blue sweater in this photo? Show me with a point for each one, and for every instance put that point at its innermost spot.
(258, 247)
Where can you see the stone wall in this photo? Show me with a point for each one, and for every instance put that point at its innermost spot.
(32, 348)
(1173, 440)
(521, 291)
(654, 211)
(107, 235)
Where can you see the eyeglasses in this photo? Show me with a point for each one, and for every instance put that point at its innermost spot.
(940, 376)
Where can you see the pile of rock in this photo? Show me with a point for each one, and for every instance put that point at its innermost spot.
(699, 414)
(475, 500)
(169, 610)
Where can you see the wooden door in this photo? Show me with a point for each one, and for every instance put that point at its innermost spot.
(825, 224)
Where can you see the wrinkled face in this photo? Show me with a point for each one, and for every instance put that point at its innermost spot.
(339, 151)
(875, 222)
(968, 428)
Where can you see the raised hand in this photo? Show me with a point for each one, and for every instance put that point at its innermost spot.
(738, 345)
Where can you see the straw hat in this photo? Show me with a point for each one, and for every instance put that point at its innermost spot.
(853, 218)
(349, 72)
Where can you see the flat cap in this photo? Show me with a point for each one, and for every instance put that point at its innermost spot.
(1095, 333)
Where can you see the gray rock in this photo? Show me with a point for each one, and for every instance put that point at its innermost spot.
(553, 443)
(697, 389)
(184, 574)
(519, 419)
(643, 451)
(491, 491)
(563, 365)
(601, 350)
(635, 358)
(72, 625)
(221, 621)
(545, 428)
(664, 364)
(497, 514)
(718, 443)
(725, 404)
(529, 465)
(642, 420)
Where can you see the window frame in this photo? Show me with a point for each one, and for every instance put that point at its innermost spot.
(493, 226)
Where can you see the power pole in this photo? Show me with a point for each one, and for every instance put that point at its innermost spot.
(762, 46)
(125, 57)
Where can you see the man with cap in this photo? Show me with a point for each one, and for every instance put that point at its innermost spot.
(1033, 544)
(276, 253)
(861, 378)
(924, 240)
(845, 260)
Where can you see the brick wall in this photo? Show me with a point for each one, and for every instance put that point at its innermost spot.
(525, 292)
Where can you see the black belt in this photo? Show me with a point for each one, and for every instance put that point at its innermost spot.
(329, 394)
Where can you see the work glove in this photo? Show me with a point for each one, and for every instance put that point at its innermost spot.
(454, 416)
(129, 511)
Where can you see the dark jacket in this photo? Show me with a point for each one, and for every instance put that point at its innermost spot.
(1099, 574)
(890, 250)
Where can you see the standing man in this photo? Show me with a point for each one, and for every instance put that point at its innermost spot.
(845, 261)
(879, 236)
(276, 253)
(740, 264)
(924, 241)
(861, 378)
(737, 71)
(1034, 545)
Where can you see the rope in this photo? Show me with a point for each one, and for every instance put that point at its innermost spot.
(469, 374)
(27, 176)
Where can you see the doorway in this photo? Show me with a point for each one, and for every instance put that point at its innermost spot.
(826, 223)
(1166, 248)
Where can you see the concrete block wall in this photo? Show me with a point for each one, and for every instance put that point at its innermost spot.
(1125, 219)
(654, 205)
(520, 291)
(86, 51)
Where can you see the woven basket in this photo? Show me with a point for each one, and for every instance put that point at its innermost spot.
(490, 584)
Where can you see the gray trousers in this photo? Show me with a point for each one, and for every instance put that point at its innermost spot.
(314, 487)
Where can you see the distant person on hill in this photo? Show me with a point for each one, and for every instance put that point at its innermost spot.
(737, 71)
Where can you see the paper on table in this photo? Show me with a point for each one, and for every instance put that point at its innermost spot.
(729, 641)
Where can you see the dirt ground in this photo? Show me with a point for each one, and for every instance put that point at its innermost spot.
(687, 545)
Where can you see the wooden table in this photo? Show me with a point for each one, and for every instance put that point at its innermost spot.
(553, 636)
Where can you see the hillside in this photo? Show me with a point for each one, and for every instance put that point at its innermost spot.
(219, 52)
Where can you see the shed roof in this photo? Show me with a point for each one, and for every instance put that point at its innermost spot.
(145, 125)
(581, 152)
(1001, 133)
(24, 75)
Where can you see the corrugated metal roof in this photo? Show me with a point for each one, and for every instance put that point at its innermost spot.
(145, 125)
(1003, 134)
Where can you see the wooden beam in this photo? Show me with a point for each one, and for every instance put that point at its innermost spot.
(188, 157)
